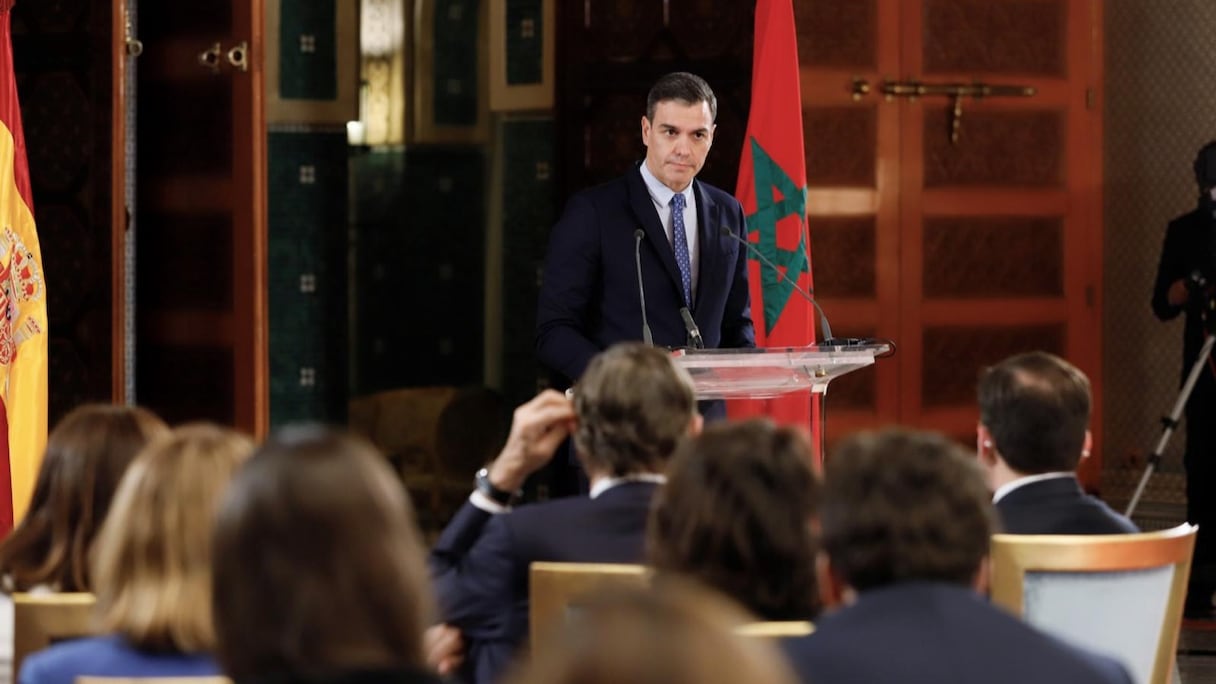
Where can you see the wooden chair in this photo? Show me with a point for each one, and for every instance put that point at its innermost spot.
(1116, 594)
(776, 629)
(40, 620)
(555, 589)
(217, 679)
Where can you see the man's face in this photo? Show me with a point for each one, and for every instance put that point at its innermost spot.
(677, 141)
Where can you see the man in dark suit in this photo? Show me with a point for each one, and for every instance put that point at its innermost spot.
(906, 521)
(680, 232)
(1033, 432)
(631, 408)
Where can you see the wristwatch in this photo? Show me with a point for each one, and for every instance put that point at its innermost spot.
(498, 496)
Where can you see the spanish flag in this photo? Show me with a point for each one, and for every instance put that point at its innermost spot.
(772, 189)
(23, 327)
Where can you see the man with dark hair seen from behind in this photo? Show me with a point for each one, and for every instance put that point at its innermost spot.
(1184, 276)
(673, 223)
(906, 520)
(1033, 433)
(630, 410)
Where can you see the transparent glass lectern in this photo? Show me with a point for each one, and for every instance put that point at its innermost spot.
(768, 372)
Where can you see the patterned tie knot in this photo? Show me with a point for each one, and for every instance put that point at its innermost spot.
(677, 201)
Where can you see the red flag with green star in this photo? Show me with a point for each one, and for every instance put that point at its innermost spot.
(772, 190)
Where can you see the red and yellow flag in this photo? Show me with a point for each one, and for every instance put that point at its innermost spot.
(23, 327)
(772, 190)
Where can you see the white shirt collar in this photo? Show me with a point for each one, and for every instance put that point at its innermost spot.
(1003, 491)
(661, 194)
(604, 484)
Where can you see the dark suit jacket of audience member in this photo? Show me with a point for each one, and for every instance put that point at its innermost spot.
(937, 633)
(480, 563)
(1058, 506)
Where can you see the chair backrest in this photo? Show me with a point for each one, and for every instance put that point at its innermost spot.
(555, 589)
(781, 629)
(217, 679)
(1118, 594)
(40, 620)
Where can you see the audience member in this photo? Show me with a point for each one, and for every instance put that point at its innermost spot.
(320, 573)
(906, 521)
(630, 410)
(679, 635)
(1033, 432)
(152, 566)
(736, 515)
(86, 455)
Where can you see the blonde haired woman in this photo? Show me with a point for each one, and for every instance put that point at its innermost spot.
(152, 566)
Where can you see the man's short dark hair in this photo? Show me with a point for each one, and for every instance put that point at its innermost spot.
(1036, 406)
(736, 515)
(634, 406)
(683, 87)
(900, 506)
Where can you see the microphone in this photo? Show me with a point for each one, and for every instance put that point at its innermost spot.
(694, 334)
(823, 318)
(637, 261)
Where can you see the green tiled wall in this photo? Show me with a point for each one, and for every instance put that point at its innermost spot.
(308, 50)
(454, 38)
(528, 214)
(307, 275)
(420, 267)
(525, 54)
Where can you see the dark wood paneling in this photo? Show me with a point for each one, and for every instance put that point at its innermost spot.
(997, 37)
(983, 256)
(843, 256)
(841, 145)
(837, 33)
(62, 60)
(997, 148)
(954, 355)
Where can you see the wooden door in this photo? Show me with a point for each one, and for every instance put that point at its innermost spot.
(200, 274)
(962, 252)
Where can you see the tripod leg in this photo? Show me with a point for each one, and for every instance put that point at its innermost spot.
(1170, 422)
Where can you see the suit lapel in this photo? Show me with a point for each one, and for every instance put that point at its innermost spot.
(708, 220)
(648, 217)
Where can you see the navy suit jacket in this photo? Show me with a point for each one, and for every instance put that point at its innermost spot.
(936, 633)
(110, 656)
(480, 563)
(1058, 506)
(589, 297)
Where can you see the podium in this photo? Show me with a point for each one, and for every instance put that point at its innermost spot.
(769, 372)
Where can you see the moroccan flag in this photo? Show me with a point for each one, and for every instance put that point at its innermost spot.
(23, 327)
(772, 190)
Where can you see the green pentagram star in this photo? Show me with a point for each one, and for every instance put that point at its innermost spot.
(769, 210)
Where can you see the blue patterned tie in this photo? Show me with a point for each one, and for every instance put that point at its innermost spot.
(679, 242)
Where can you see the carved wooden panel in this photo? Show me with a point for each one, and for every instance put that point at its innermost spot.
(841, 145)
(837, 33)
(977, 256)
(954, 355)
(995, 37)
(612, 136)
(616, 30)
(843, 256)
(701, 29)
(1004, 148)
(208, 369)
(62, 54)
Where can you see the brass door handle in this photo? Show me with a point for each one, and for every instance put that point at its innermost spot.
(238, 56)
(210, 58)
(860, 87)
